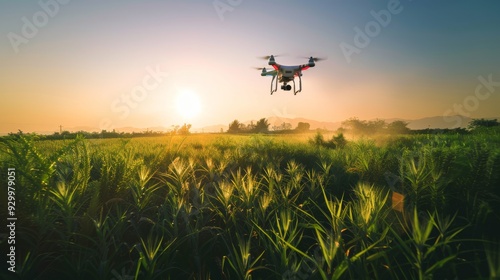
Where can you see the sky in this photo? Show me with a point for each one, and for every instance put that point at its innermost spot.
(111, 64)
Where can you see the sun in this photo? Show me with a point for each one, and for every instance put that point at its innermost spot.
(188, 104)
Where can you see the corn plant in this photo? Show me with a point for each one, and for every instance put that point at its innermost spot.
(142, 191)
(421, 246)
(154, 256)
(492, 251)
(66, 199)
(116, 171)
(328, 236)
(293, 185)
(240, 262)
(247, 188)
(284, 235)
(368, 211)
(265, 209)
(36, 170)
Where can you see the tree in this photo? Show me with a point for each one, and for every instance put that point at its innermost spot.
(184, 130)
(375, 126)
(303, 126)
(283, 126)
(354, 125)
(398, 127)
(235, 127)
(478, 123)
(262, 126)
(338, 141)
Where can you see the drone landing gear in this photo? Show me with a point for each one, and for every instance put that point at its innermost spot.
(285, 86)
(300, 86)
(275, 85)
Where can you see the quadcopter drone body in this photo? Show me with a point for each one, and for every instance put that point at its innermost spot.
(286, 74)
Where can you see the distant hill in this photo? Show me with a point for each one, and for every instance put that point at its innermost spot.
(212, 128)
(442, 122)
(439, 122)
(436, 122)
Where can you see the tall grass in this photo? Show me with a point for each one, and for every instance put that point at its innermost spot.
(255, 207)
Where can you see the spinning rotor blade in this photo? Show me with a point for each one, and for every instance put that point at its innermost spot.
(267, 57)
(316, 59)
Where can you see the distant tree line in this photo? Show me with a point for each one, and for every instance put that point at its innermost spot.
(262, 126)
(337, 141)
(483, 123)
(362, 127)
(104, 134)
(378, 126)
(352, 125)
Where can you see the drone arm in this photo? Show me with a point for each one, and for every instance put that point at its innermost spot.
(305, 67)
(269, 73)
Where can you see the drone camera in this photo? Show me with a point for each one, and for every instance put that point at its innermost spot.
(286, 87)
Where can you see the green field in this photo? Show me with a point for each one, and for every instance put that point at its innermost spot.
(255, 207)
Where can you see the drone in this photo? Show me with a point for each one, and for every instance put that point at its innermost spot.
(286, 74)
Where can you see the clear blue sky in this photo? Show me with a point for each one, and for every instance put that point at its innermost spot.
(77, 63)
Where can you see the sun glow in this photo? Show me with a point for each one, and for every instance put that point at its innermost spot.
(188, 104)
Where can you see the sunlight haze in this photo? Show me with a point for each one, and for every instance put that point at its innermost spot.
(110, 64)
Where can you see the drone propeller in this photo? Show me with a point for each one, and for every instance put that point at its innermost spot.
(259, 68)
(315, 59)
(267, 57)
